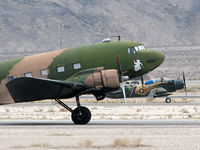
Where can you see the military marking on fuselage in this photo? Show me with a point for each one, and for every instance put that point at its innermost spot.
(137, 65)
(142, 90)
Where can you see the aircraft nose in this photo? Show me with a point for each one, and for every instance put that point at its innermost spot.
(179, 84)
(154, 59)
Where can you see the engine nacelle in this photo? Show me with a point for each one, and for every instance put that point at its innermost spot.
(103, 79)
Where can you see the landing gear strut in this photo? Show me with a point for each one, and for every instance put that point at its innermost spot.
(80, 115)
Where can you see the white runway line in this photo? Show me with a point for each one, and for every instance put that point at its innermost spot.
(102, 122)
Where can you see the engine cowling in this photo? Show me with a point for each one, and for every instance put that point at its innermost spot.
(103, 79)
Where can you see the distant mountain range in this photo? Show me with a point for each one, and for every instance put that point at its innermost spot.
(31, 26)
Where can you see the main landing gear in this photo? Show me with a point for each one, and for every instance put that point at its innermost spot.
(80, 115)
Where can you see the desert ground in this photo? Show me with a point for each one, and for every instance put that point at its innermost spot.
(113, 126)
(141, 123)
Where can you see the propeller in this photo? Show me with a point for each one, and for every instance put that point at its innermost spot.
(118, 37)
(142, 80)
(185, 88)
(122, 78)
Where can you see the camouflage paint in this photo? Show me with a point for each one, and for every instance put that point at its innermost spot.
(92, 56)
(138, 92)
(34, 64)
(18, 67)
(83, 75)
(6, 66)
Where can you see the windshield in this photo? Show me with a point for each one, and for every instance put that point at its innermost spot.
(133, 50)
(158, 80)
(153, 81)
(141, 47)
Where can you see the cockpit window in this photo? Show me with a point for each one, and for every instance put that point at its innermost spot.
(136, 49)
(157, 80)
(141, 47)
(149, 82)
(133, 50)
(165, 79)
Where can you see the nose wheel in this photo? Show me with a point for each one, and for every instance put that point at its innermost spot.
(80, 115)
(168, 100)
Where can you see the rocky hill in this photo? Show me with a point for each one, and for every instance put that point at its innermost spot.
(31, 26)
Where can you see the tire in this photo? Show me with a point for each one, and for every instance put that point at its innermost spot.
(168, 100)
(81, 118)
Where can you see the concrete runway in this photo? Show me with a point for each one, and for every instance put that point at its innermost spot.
(99, 123)
(128, 133)
(106, 104)
(172, 96)
(97, 135)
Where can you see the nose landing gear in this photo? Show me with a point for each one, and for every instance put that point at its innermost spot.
(80, 115)
(168, 100)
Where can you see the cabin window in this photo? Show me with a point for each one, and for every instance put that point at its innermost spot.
(61, 69)
(44, 72)
(77, 66)
(29, 74)
(11, 78)
(131, 51)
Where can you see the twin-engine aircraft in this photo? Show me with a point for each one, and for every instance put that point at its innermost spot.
(95, 69)
(159, 87)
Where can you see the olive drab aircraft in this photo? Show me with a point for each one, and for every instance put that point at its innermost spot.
(94, 69)
(159, 87)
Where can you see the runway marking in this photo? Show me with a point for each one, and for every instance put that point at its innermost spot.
(106, 104)
(97, 123)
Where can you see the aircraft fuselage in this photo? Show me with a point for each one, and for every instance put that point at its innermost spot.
(62, 64)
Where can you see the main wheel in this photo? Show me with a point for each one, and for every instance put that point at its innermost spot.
(168, 100)
(81, 115)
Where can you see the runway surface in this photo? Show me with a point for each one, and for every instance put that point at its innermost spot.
(98, 123)
(146, 126)
(104, 135)
(172, 96)
(106, 104)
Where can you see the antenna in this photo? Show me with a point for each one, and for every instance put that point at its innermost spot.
(118, 37)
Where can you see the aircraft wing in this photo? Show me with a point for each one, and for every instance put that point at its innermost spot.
(158, 92)
(25, 89)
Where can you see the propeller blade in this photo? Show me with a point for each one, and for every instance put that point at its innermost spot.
(124, 92)
(121, 75)
(142, 80)
(185, 88)
(119, 66)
